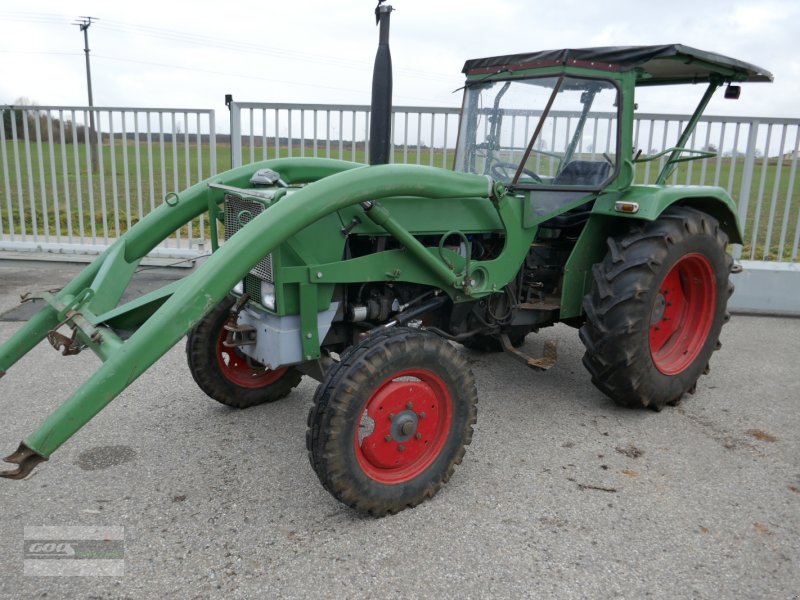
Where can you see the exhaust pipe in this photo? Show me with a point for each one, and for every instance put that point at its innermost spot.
(380, 128)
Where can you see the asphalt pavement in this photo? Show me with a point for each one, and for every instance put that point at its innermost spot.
(561, 495)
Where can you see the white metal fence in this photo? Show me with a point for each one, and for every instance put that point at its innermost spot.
(756, 157)
(52, 197)
(420, 135)
(75, 178)
(756, 163)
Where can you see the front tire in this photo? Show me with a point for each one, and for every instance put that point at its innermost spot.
(391, 420)
(227, 375)
(657, 305)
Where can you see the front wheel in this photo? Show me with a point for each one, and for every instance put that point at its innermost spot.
(391, 420)
(227, 375)
(657, 305)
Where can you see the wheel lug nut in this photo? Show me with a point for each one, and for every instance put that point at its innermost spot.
(418, 436)
(409, 405)
(388, 438)
(422, 415)
(391, 416)
(400, 448)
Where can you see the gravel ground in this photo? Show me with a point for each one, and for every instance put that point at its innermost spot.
(561, 493)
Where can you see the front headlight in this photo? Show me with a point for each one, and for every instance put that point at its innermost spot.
(268, 294)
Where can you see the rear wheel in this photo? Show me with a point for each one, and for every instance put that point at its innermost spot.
(391, 420)
(227, 375)
(657, 305)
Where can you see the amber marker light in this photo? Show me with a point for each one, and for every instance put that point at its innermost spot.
(626, 207)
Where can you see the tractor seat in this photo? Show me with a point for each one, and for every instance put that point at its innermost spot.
(583, 172)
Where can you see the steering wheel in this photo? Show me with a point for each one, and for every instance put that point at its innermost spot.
(505, 171)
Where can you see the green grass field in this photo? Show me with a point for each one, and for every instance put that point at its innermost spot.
(45, 177)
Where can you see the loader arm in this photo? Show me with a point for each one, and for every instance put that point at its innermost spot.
(90, 298)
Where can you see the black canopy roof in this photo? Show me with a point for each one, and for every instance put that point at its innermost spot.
(671, 63)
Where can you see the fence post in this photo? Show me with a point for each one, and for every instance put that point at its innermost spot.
(236, 133)
(747, 180)
(212, 142)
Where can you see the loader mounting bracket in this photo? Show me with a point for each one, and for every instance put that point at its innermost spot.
(27, 460)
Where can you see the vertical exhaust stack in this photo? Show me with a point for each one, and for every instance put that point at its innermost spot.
(380, 129)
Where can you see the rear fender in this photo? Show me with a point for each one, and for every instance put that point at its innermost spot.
(653, 200)
(606, 222)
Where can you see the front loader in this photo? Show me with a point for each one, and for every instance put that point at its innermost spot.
(368, 278)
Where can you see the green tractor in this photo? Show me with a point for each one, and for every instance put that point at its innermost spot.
(367, 278)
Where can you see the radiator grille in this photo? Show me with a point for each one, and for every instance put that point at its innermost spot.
(252, 287)
(238, 212)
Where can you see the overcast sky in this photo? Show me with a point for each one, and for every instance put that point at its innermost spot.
(189, 55)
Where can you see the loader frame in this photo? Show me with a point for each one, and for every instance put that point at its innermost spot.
(130, 338)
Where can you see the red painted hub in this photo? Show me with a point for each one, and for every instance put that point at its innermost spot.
(236, 369)
(682, 314)
(409, 415)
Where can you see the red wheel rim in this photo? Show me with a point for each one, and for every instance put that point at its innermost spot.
(236, 369)
(409, 415)
(682, 314)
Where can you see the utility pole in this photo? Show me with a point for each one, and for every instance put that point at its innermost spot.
(84, 23)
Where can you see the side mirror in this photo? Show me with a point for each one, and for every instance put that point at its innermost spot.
(732, 92)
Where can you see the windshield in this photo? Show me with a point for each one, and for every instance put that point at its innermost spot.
(507, 132)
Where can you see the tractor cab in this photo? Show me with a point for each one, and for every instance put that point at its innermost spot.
(562, 120)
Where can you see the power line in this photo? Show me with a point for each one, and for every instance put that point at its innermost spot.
(223, 43)
(41, 52)
(211, 72)
(244, 75)
(251, 48)
(214, 42)
(240, 46)
(30, 17)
